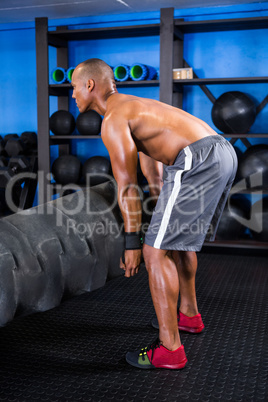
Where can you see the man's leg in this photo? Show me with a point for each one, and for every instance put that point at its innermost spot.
(164, 287)
(186, 263)
(189, 319)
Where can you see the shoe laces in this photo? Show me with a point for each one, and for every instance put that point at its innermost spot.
(156, 344)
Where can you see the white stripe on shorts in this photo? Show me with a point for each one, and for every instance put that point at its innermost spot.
(173, 197)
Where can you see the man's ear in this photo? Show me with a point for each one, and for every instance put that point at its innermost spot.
(90, 85)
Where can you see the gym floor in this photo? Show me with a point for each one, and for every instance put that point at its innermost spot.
(77, 351)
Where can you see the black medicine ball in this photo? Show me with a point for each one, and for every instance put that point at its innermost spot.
(233, 112)
(62, 122)
(89, 123)
(253, 161)
(66, 169)
(97, 170)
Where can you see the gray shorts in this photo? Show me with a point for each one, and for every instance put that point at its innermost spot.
(193, 196)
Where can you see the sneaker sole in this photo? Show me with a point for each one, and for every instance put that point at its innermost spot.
(151, 366)
(191, 330)
(145, 367)
(184, 329)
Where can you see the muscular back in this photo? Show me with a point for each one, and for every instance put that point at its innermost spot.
(157, 129)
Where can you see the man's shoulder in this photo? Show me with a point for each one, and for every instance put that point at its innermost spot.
(120, 99)
(116, 116)
(118, 107)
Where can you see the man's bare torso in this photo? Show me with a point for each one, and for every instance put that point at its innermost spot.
(158, 130)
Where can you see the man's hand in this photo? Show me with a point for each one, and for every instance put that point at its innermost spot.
(132, 262)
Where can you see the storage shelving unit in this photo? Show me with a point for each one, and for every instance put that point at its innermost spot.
(60, 38)
(185, 27)
(63, 89)
(171, 33)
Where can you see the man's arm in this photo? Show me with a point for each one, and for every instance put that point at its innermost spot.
(124, 157)
(153, 172)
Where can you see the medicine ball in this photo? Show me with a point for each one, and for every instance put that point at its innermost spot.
(254, 160)
(89, 123)
(96, 169)
(260, 220)
(238, 152)
(233, 112)
(62, 122)
(239, 155)
(230, 228)
(66, 169)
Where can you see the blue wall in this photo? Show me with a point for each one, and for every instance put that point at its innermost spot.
(217, 54)
(17, 81)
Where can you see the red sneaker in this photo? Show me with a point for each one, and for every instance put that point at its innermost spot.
(157, 356)
(194, 325)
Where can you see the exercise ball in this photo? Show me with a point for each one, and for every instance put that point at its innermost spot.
(254, 160)
(260, 220)
(233, 112)
(230, 228)
(66, 169)
(89, 123)
(62, 122)
(96, 169)
(238, 152)
(239, 155)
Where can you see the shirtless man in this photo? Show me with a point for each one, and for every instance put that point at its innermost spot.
(200, 169)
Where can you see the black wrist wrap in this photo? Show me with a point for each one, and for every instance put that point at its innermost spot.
(133, 240)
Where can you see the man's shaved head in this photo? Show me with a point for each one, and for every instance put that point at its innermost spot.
(95, 69)
(93, 82)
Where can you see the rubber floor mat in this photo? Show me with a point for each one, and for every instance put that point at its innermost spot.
(76, 352)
